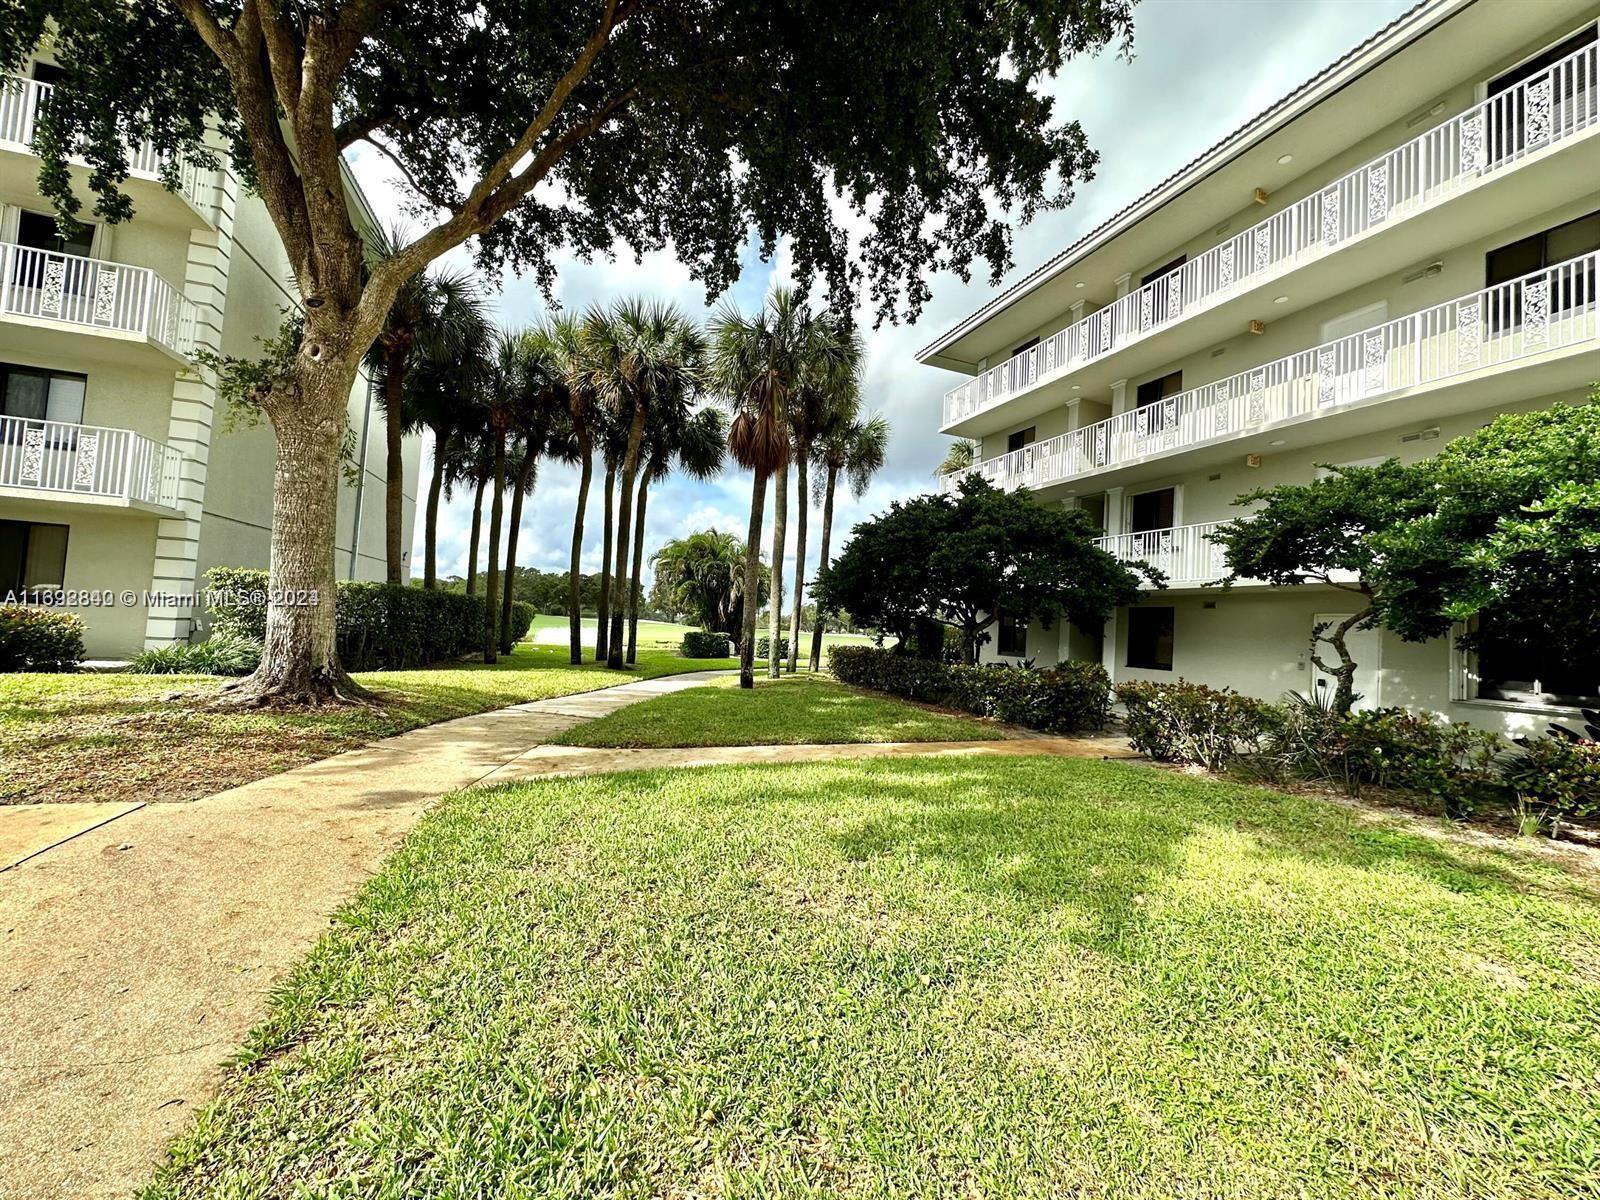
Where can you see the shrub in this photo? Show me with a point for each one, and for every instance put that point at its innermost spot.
(220, 654)
(379, 626)
(1072, 696)
(1186, 722)
(522, 614)
(703, 643)
(1557, 778)
(764, 646)
(37, 639)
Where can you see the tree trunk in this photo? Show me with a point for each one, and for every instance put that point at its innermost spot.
(472, 544)
(822, 561)
(299, 655)
(491, 569)
(616, 646)
(430, 532)
(635, 592)
(1344, 690)
(520, 486)
(394, 467)
(780, 519)
(752, 581)
(575, 578)
(801, 514)
(602, 625)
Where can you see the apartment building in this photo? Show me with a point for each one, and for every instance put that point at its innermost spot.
(119, 470)
(1386, 259)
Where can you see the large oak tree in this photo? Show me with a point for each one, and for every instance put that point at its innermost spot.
(541, 126)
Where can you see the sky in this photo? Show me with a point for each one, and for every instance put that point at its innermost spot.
(1199, 70)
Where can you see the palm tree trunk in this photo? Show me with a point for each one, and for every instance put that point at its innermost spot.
(491, 570)
(780, 520)
(822, 561)
(575, 578)
(520, 487)
(430, 532)
(752, 581)
(616, 647)
(394, 465)
(802, 503)
(603, 607)
(638, 570)
(472, 546)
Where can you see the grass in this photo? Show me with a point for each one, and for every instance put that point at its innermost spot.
(919, 977)
(122, 737)
(794, 710)
(548, 628)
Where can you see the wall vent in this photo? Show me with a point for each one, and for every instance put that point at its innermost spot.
(1422, 435)
(1425, 114)
(1214, 478)
(1219, 352)
(1427, 272)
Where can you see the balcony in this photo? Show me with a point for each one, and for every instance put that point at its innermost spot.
(1182, 554)
(86, 464)
(66, 291)
(1469, 351)
(20, 102)
(1488, 141)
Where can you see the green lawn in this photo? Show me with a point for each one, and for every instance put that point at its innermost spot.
(121, 737)
(548, 628)
(794, 710)
(1025, 977)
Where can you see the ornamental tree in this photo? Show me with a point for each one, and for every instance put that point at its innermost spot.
(549, 126)
(964, 559)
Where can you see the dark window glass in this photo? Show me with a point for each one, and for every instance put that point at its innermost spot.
(1150, 638)
(1019, 439)
(48, 72)
(1152, 510)
(1155, 390)
(1525, 668)
(1012, 641)
(1574, 287)
(1166, 269)
(1027, 345)
(40, 231)
(32, 556)
(41, 395)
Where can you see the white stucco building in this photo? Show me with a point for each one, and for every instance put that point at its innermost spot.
(1384, 260)
(119, 470)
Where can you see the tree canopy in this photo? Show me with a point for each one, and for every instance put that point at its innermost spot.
(964, 559)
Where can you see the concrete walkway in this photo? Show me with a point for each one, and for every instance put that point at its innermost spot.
(137, 953)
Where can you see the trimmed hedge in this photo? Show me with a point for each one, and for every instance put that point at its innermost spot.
(1186, 722)
(1067, 698)
(37, 639)
(703, 643)
(380, 626)
(764, 646)
(522, 614)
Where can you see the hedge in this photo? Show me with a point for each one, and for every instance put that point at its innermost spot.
(1190, 723)
(764, 645)
(1063, 699)
(703, 643)
(380, 626)
(37, 639)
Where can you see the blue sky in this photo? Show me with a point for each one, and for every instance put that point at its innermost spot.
(1200, 69)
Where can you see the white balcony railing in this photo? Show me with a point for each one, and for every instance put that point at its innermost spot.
(1182, 554)
(20, 102)
(94, 294)
(1547, 108)
(1548, 310)
(65, 459)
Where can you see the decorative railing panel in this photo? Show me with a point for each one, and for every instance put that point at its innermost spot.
(87, 460)
(1554, 105)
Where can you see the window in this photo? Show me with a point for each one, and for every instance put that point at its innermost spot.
(40, 231)
(1507, 125)
(1152, 510)
(1150, 415)
(1019, 439)
(32, 556)
(1025, 347)
(1150, 638)
(1013, 639)
(1522, 667)
(48, 72)
(1574, 288)
(1168, 269)
(36, 395)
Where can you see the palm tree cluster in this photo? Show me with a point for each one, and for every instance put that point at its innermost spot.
(623, 391)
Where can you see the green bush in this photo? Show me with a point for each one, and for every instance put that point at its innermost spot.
(379, 626)
(764, 645)
(522, 614)
(703, 643)
(37, 639)
(1556, 778)
(220, 654)
(1064, 699)
(1186, 722)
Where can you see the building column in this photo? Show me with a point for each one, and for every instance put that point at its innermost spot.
(1119, 397)
(189, 427)
(1124, 285)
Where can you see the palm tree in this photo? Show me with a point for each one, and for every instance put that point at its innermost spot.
(648, 357)
(961, 455)
(613, 434)
(698, 442)
(437, 313)
(705, 573)
(507, 392)
(441, 392)
(830, 393)
(756, 364)
(858, 449)
(572, 366)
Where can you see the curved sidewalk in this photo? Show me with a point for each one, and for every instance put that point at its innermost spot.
(137, 954)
